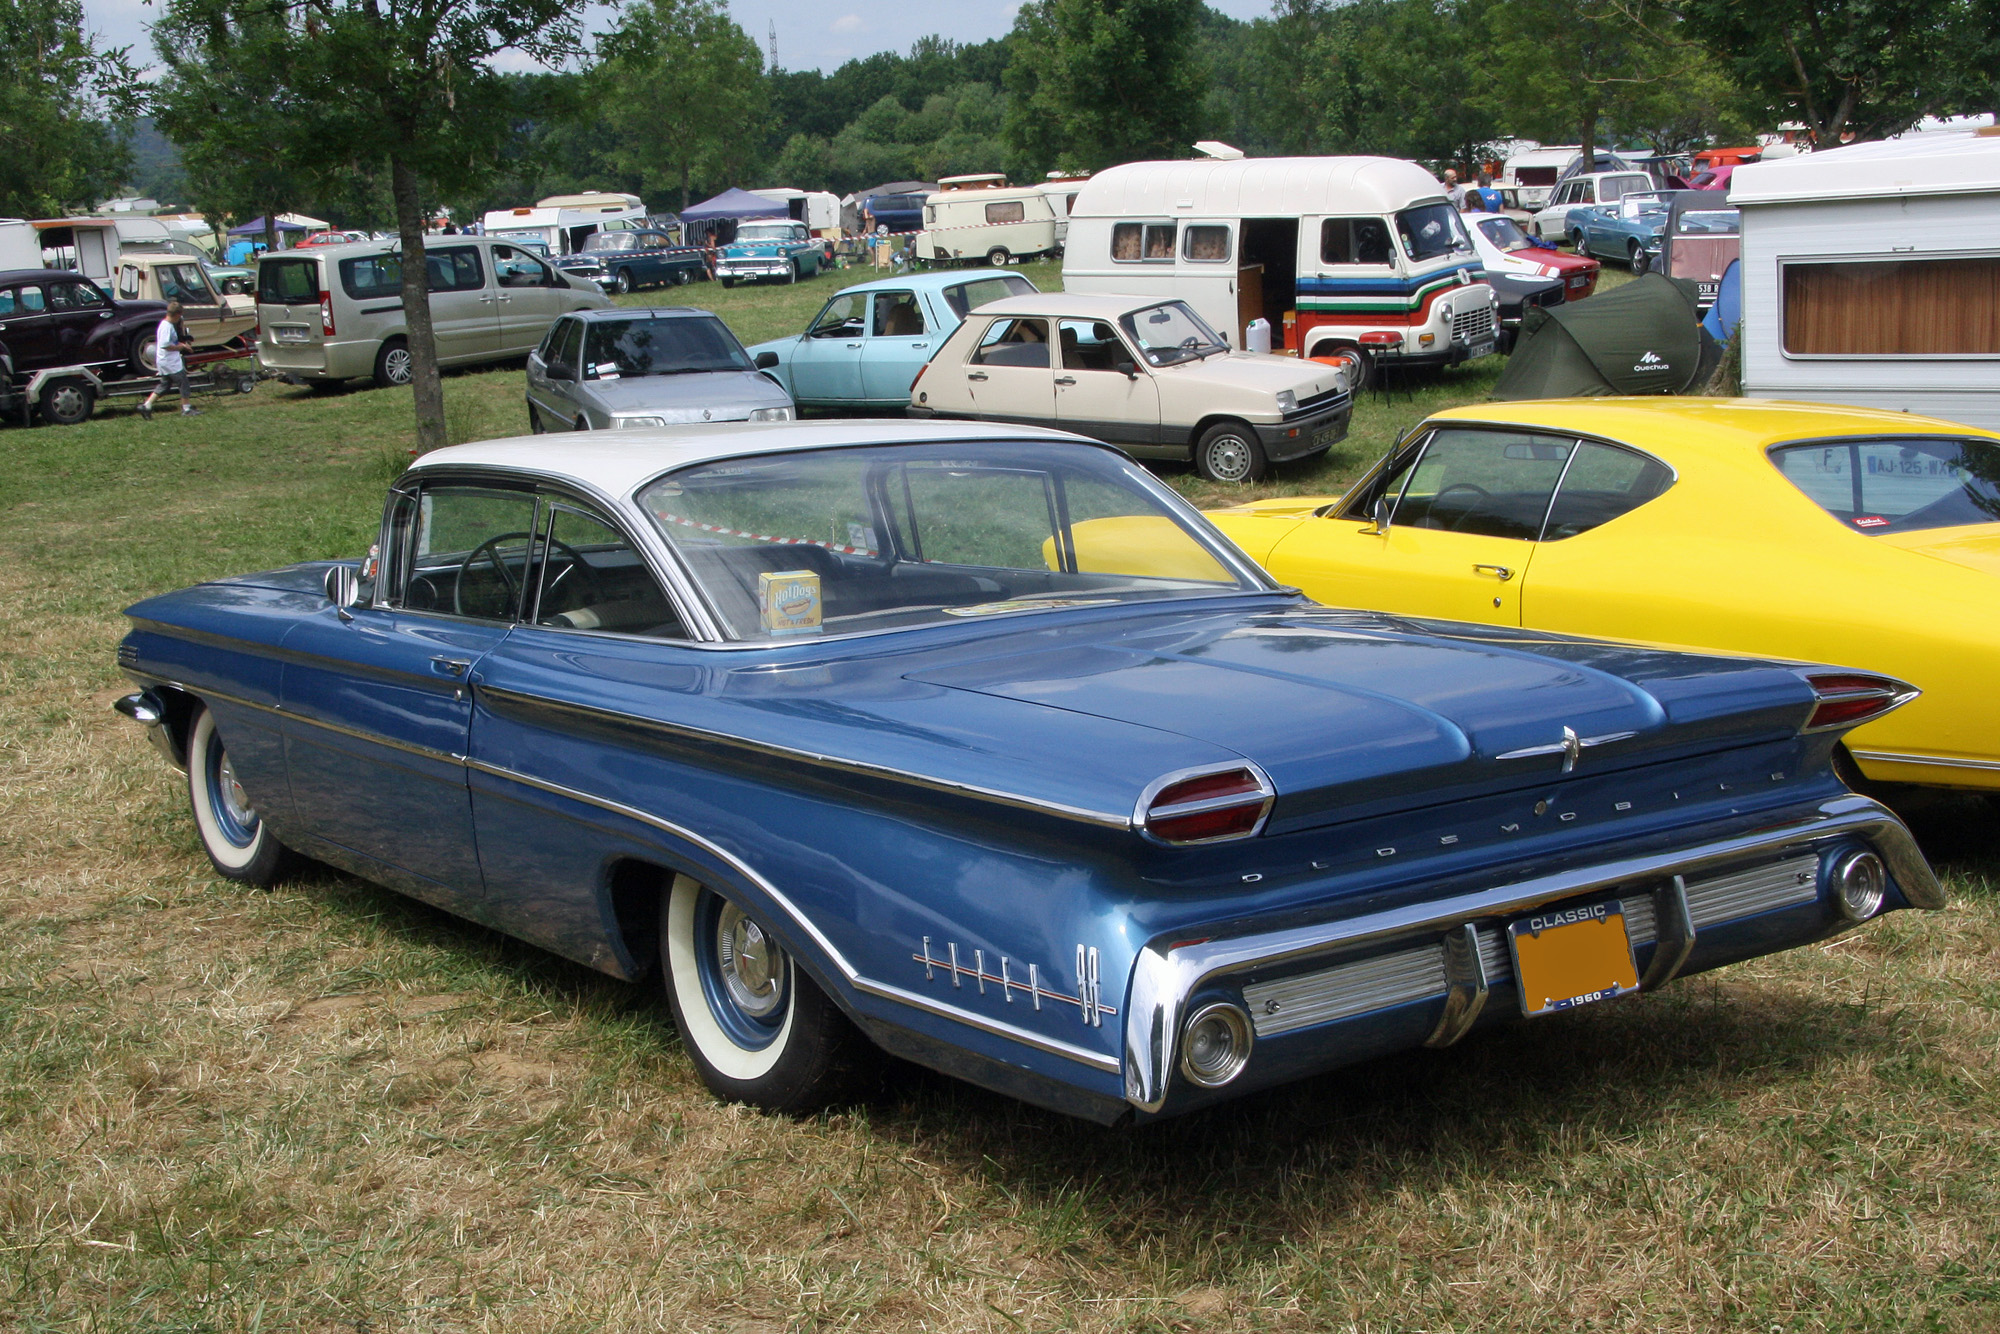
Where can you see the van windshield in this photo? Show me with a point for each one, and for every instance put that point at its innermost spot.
(1171, 333)
(1432, 231)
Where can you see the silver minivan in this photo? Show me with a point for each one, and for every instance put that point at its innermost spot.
(333, 313)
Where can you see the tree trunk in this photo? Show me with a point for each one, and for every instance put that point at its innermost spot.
(270, 231)
(424, 380)
(1589, 136)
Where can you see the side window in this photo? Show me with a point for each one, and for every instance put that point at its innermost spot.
(1354, 241)
(591, 578)
(455, 270)
(7, 302)
(547, 351)
(1137, 242)
(1092, 345)
(468, 552)
(1485, 483)
(841, 318)
(33, 301)
(1207, 244)
(74, 296)
(518, 268)
(571, 347)
(1602, 483)
(1014, 343)
(897, 315)
(1007, 210)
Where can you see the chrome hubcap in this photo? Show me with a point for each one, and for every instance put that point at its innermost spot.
(234, 799)
(752, 964)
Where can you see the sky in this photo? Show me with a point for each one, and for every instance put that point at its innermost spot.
(812, 34)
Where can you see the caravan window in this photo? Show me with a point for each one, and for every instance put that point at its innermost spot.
(1911, 307)
(1008, 210)
(1354, 241)
(1138, 242)
(1207, 244)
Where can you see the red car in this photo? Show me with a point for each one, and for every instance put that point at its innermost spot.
(331, 238)
(1505, 248)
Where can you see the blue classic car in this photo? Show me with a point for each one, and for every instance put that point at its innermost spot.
(980, 745)
(770, 248)
(1628, 231)
(867, 344)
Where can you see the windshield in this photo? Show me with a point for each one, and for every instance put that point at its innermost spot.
(1504, 234)
(612, 241)
(1432, 231)
(1898, 484)
(661, 345)
(766, 231)
(1709, 222)
(1171, 333)
(837, 541)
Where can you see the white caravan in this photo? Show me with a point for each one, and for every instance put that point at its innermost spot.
(982, 218)
(1871, 275)
(560, 224)
(1534, 172)
(817, 209)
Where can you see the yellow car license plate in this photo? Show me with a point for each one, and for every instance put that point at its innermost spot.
(1572, 956)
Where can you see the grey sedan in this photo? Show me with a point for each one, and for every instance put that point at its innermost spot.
(623, 367)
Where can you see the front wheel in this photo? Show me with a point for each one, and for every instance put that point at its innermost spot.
(1229, 452)
(1641, 261)
(238, 842)
(727, 283)
(392, 364)
(67, 402)
(759, 1030)
(623, 282)
(792, 273)
(535, 426)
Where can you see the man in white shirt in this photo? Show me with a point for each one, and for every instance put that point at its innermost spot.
(169, 339)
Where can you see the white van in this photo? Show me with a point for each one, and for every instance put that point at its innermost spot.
(332, 313)
(1354, 258)
(1534, 172)
(560, 224)
(817, 209)
(984, 218)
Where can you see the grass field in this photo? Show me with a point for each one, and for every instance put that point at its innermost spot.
(328, 1108)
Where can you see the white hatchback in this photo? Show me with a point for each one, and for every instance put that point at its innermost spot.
(1147, 375)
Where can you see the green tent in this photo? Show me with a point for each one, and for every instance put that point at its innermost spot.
(1642, 338)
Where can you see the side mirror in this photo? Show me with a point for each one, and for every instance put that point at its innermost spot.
(561, 370)
(1380, 514)
(343, 589)
(767, 361)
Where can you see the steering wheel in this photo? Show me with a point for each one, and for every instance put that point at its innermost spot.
(1438, 500)
(490, 549)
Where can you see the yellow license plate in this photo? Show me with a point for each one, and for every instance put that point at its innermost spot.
(1568, 957)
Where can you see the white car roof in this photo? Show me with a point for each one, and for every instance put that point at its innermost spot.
(1256, 187)
(1941, 163)
(1071, 305)
(618, 462)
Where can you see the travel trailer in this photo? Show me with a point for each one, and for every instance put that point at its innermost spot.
(817, 209)
(984, 218)
(560, 224)
(1534, 172)
(1870, 275)
(1354, 257)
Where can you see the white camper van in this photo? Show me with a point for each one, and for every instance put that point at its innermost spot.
(984, 218)
(817, 209)
(1871, 275)
(560, 224)
(1357, 258)
(1534, 171)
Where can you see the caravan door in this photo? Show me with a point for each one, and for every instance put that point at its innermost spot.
(93, 252)
(1206, 275)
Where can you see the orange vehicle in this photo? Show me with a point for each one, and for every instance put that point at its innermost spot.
(1710, 158)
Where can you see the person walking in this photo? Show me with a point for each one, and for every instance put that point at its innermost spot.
(168, 341)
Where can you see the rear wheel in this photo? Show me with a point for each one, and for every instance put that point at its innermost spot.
(997, 257)
(238, 842)
(682, 277)
(1229, 452)
(392, 364)
(759, 1030)
(1361, 369)
(68, 402)
(145, 355)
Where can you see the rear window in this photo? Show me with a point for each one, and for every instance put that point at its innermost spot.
(1900, 483)
(287, 282)
(971, 296)
(373, 277)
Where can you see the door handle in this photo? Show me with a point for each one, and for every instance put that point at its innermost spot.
(1065, 379)
(975, 375)
(450, 666)
(920, 345)
(854, 345)
(1500, 572)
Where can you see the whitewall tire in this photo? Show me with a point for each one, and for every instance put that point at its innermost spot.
(238, 842)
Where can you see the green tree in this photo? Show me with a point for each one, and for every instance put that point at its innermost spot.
(1862, 69)
(684, 94)
(66, 110)
(1095, 82)
(1566, 67)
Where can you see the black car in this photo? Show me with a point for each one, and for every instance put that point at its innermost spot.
(53, 319)
(1517, 292)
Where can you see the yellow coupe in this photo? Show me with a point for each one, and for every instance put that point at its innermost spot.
(1794, 530)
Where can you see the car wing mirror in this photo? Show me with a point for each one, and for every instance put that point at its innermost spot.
(1379, 512)
(343, 589)
(767, 361)
(561, 370)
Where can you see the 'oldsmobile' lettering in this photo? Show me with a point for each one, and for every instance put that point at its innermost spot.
(1596, 912)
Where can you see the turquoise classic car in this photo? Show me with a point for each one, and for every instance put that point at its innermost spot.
(867, 344)
(773, 248)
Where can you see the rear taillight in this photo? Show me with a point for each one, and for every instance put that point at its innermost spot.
(326, 313)
(1847, 699)
(1207, 808)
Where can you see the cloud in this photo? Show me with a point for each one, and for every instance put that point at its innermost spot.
(847, 23)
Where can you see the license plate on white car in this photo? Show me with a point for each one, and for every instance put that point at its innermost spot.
(290, 333)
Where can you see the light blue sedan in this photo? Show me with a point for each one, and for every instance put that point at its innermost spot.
(867, 344)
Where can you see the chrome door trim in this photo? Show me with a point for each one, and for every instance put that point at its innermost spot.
(279, 711)
(1898, 757)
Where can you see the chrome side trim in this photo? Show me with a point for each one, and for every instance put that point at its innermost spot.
(1165, 976)
(278, 711)
(1897, 757)
(853, 976)
(1104, 818)
(1466, 974)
